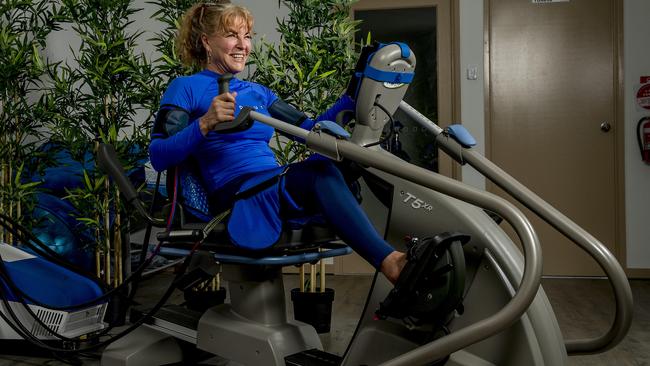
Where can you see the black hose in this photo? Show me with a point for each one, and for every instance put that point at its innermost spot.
(145, 242)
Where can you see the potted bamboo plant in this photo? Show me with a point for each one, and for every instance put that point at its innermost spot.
(102, 95)
(24, 27)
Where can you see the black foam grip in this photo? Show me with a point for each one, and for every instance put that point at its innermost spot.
(224, 83)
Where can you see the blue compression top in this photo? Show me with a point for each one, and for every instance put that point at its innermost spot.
(222, 156)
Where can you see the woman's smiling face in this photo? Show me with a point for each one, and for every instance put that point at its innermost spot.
(228, 51)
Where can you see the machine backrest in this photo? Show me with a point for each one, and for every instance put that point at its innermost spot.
(190, 191)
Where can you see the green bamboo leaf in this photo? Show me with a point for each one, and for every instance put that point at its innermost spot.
(88, 221)
(36, 58)
(27, 186)
(120, 69)
(168, 60)
(18, 57)
(112, 133)
(325, 74)
(102, 137)
(19, 173)
(297, 68)
(99, 183)
(87, 180)
(315, 69)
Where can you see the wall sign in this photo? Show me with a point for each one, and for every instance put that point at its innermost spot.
(548, 1)
(643, 93)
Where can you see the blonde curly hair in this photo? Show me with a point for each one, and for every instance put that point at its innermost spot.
(207, 18)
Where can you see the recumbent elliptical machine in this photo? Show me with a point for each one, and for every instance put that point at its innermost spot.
(490, 307)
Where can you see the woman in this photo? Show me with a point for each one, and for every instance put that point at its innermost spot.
(218, 38)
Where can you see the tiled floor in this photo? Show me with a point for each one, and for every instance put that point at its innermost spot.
(583, 308)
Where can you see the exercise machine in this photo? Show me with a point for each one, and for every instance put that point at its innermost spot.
(490, 307)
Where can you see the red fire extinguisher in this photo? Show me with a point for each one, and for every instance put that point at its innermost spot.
(643, 136)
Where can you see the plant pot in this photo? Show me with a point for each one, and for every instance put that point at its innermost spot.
(116, 310)
(203, 300)
(314, 308)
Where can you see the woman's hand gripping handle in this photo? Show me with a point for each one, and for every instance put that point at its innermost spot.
(222, 108)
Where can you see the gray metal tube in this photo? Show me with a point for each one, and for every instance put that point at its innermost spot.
(420, 118)
(593, 247)
(280, 125)
(588, 243)
(530, 281)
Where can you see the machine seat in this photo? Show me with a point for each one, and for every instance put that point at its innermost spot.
(295, 239)
(300, 242)
(300, 239)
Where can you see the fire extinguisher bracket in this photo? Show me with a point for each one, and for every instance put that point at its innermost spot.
(643, 138)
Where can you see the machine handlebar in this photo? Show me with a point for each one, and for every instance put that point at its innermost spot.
(108, 162)
(241, 123)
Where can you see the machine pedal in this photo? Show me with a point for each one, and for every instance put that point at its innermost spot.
(313, 357)
(432, 288)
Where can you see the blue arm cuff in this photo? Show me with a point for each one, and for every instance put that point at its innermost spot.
(165, 153)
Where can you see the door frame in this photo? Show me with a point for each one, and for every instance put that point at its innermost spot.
(448, 62)
(619, 140)
(448, 81)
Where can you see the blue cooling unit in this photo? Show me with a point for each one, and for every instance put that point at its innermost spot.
(55, 286)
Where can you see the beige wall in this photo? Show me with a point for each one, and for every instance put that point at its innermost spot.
(636, 63)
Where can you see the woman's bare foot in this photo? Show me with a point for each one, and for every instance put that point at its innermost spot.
(392, 265)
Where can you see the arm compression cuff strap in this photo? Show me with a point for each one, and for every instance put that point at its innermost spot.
(170, 120)
(286, 112)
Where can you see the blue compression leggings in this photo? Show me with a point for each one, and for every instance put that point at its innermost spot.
(318, 186)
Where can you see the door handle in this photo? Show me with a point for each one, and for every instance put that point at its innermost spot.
(605, 126)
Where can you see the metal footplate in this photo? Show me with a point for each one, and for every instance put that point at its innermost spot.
(177, 321)
(313, 357)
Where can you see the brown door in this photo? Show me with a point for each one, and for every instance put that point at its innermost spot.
(552, 116)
